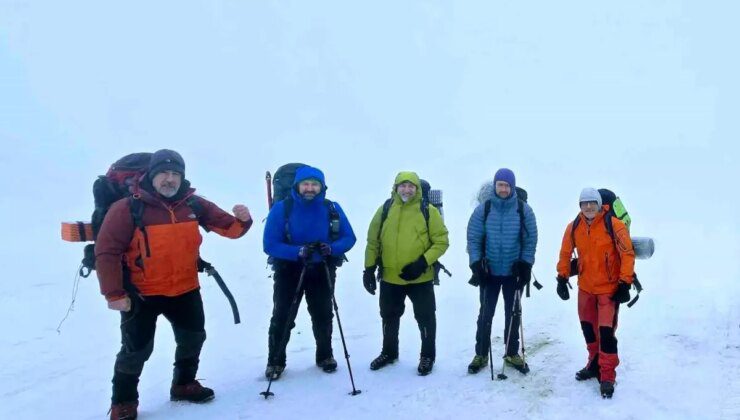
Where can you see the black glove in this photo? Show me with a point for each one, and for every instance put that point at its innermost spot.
(522, 270)
(414, 270)
(479, 274)
(368, 280)
(622, 295)
(562, 289)
(324, 249)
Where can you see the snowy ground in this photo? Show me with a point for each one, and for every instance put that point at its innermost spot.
(640, 96)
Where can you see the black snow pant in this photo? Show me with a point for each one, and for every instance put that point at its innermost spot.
(392, 305)
(319, 302)
(489, 291)
(185, 313)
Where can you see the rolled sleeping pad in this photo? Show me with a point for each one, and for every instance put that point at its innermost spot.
(77, 231)
(644, 247)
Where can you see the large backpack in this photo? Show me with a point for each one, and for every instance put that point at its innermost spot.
(614, 208)
(120, 181)
(429, 197)
(282, 183)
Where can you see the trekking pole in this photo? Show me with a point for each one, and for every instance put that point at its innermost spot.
(521, 325)
(355, 391)
(284, 340)
(502, 375)
(490, 327)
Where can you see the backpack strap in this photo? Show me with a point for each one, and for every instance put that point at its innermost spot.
(384, 214)
(576, 222)
(333, 220)
(287, 210)
(137, 214)
(522, 227)
(486, 212)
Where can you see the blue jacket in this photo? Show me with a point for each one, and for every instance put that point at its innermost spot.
(308, 222)
(503, 245)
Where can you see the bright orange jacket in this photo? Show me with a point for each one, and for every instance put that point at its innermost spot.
(164, 261)
(602, 262)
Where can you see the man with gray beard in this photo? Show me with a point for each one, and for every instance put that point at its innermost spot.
(147, 254)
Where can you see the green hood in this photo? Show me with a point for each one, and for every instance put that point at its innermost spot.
(410, 177)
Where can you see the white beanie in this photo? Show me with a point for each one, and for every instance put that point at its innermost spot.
(590, 194)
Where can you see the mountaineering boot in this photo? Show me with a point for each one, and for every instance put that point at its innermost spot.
(425, 365)
(328, 365)
(607, 389)
(382, 361)
(590, 371)
(478, 363)
(124, 410)
(274, 371)
(193, 392)
(517, 363)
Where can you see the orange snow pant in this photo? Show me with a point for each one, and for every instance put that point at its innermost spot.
(598, 315)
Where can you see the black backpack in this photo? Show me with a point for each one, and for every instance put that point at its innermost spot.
(429, 197)
(121, 179)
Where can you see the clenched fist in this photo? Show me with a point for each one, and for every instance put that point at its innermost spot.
(241, 212)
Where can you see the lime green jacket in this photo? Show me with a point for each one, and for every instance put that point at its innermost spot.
(405, 236)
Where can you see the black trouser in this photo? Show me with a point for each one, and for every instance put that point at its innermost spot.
(392, 305)
(318, 299)
(185, 313)
(489, 291)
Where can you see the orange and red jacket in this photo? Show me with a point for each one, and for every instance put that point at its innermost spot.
(164, 261)
(602, 262)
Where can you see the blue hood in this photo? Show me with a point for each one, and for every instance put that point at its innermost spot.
(303, 173)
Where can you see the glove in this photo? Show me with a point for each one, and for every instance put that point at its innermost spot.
(522, 270)
(622, 295)
(305, 252)
(368, 280)
(562, 289)
(123, 304)
(414, 270)
(479, 274)
(324, 249)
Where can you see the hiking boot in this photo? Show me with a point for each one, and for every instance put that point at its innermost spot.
(425, 366)
(478, 363)
(274, 371)
(193, 392)
(382, 361)
(517, 363)
(607, 389)
(124, 410)
(328, 365)
(587, 373)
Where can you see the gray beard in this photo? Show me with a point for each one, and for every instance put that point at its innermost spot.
(167, 192)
